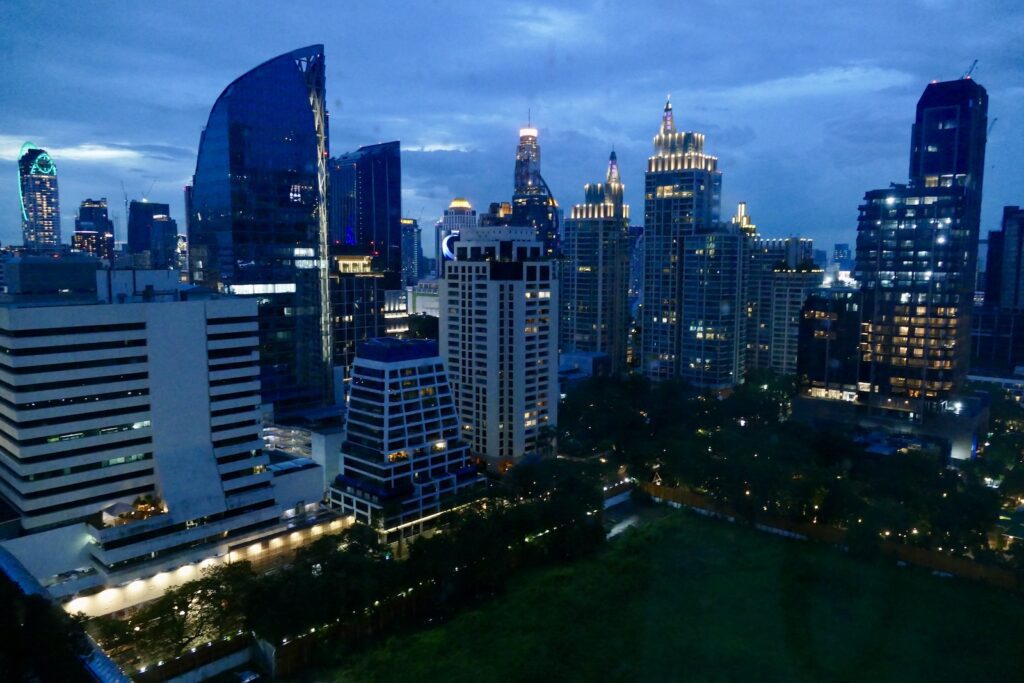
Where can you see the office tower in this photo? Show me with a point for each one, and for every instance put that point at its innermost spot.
(137, 415)
(1006, 260)
(152, 234)
(499, 340)
(532, 201)
(595, 277)
(357, 308)
(711, 345)
(842, 256)
(791, 285)
(94, 231)
(917, 254)
(778, 271)
(366, 205)
(40, 203)
(828, 360)
(412, 252)
(403, 460)
(459, 215)
(682, 198)
(820, 258)
(259, 219)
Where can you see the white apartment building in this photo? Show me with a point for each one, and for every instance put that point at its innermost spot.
(130, 440)
(499, 338)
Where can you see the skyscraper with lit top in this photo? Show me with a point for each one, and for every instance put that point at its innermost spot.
(40, 202)
(532, 203)
(595, 275)
(681, 199)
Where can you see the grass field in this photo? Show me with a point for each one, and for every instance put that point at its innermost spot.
(690, 599)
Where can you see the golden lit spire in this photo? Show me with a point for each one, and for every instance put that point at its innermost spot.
(613, 169)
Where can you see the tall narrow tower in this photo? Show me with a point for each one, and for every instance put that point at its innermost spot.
(40, 203)
(532, 203)
(682, 199)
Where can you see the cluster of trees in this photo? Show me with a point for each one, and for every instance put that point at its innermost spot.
(543, 513)
(38, 640)
(743, 451)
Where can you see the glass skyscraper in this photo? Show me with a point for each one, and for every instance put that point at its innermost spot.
(595, 276)
(366, 205)
(40, 203)
(259, 219)
(152, 231)
(532, 202)
(917, 249)
(94, 231)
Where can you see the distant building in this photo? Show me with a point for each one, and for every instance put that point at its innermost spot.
(791, 286)
(532, 201)
(457, 217)
(499, 340)
(828, 361)
(683, 198)
(40, 201)
(153, 234)
(259, 220)
(94, 231)
(412, 252)
(357, 308)
(842, 256)
(403, 459)
(595, 275)
(366, 206)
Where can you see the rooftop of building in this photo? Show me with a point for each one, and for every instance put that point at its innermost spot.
(391, 350)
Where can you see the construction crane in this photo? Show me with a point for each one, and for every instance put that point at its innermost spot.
(991, 126)
(974, 65)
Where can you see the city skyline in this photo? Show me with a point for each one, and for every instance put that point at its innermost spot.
(841, 107)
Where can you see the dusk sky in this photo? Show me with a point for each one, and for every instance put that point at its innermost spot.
(806, 107)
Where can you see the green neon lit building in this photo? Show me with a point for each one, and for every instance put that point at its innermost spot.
(40, 204)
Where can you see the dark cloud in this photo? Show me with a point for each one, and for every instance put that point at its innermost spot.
(806, 104)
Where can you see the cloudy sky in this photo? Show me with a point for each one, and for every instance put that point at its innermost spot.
(806, 104)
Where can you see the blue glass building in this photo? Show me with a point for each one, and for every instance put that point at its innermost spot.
(366, 206)
(258, 223)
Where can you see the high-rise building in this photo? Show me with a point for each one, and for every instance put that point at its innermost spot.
(779, 274)
(459, 215)
(682, 200)
(532, 203)
(403, 459)
(828, 360)
(357, 309)
(94, 231)
(595, 276)
(499, 340)
(412, 251)
(1006, 260)
(366, 205)
(132, 432)
(40, 203)
(259, 219)
(153, 234)
(917, 255)
(842, 256)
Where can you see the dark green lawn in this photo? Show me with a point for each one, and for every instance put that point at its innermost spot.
(688, 599)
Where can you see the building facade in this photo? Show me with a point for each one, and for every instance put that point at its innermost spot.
(459, 215)
(681, 199)
(131, 434)
(94, 231)
(40, 200)
(259, 219)
(152, 234)
(403, 460)
(366, 205)
(412, 252)
(595, 276)
(499, 340)
(917, 254)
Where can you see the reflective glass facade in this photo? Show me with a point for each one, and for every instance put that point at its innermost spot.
(40, 203)
(258, 225)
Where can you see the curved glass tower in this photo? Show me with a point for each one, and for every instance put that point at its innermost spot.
(259, 219)
(40, 205)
